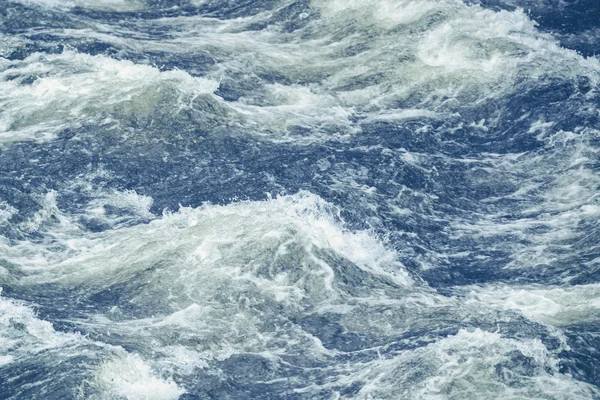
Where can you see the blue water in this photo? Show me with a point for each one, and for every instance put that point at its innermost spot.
(299, 199)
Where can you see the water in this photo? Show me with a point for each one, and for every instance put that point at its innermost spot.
(317, 199)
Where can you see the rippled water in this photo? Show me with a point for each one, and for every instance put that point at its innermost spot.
(313, 199)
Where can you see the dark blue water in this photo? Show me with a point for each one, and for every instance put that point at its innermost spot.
(299, 199)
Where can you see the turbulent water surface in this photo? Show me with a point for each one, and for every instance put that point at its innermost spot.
(300, 199)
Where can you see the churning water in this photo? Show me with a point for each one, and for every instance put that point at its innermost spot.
(299, 199)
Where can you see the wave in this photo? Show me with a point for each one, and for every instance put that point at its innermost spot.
(403, 201)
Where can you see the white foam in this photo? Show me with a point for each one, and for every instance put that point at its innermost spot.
(554, 196)
(48, 213)
(400, 115)
(221, 280)
(472, 364)
(200, 235)
(455, 55)
(106, 5)
(136, 206)
(75, 88)
(24, 338)
(217, 276)
(5, 360)
(386, 13)
(130, 377)
(22, 334)
(557, 306)
(6, 212)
